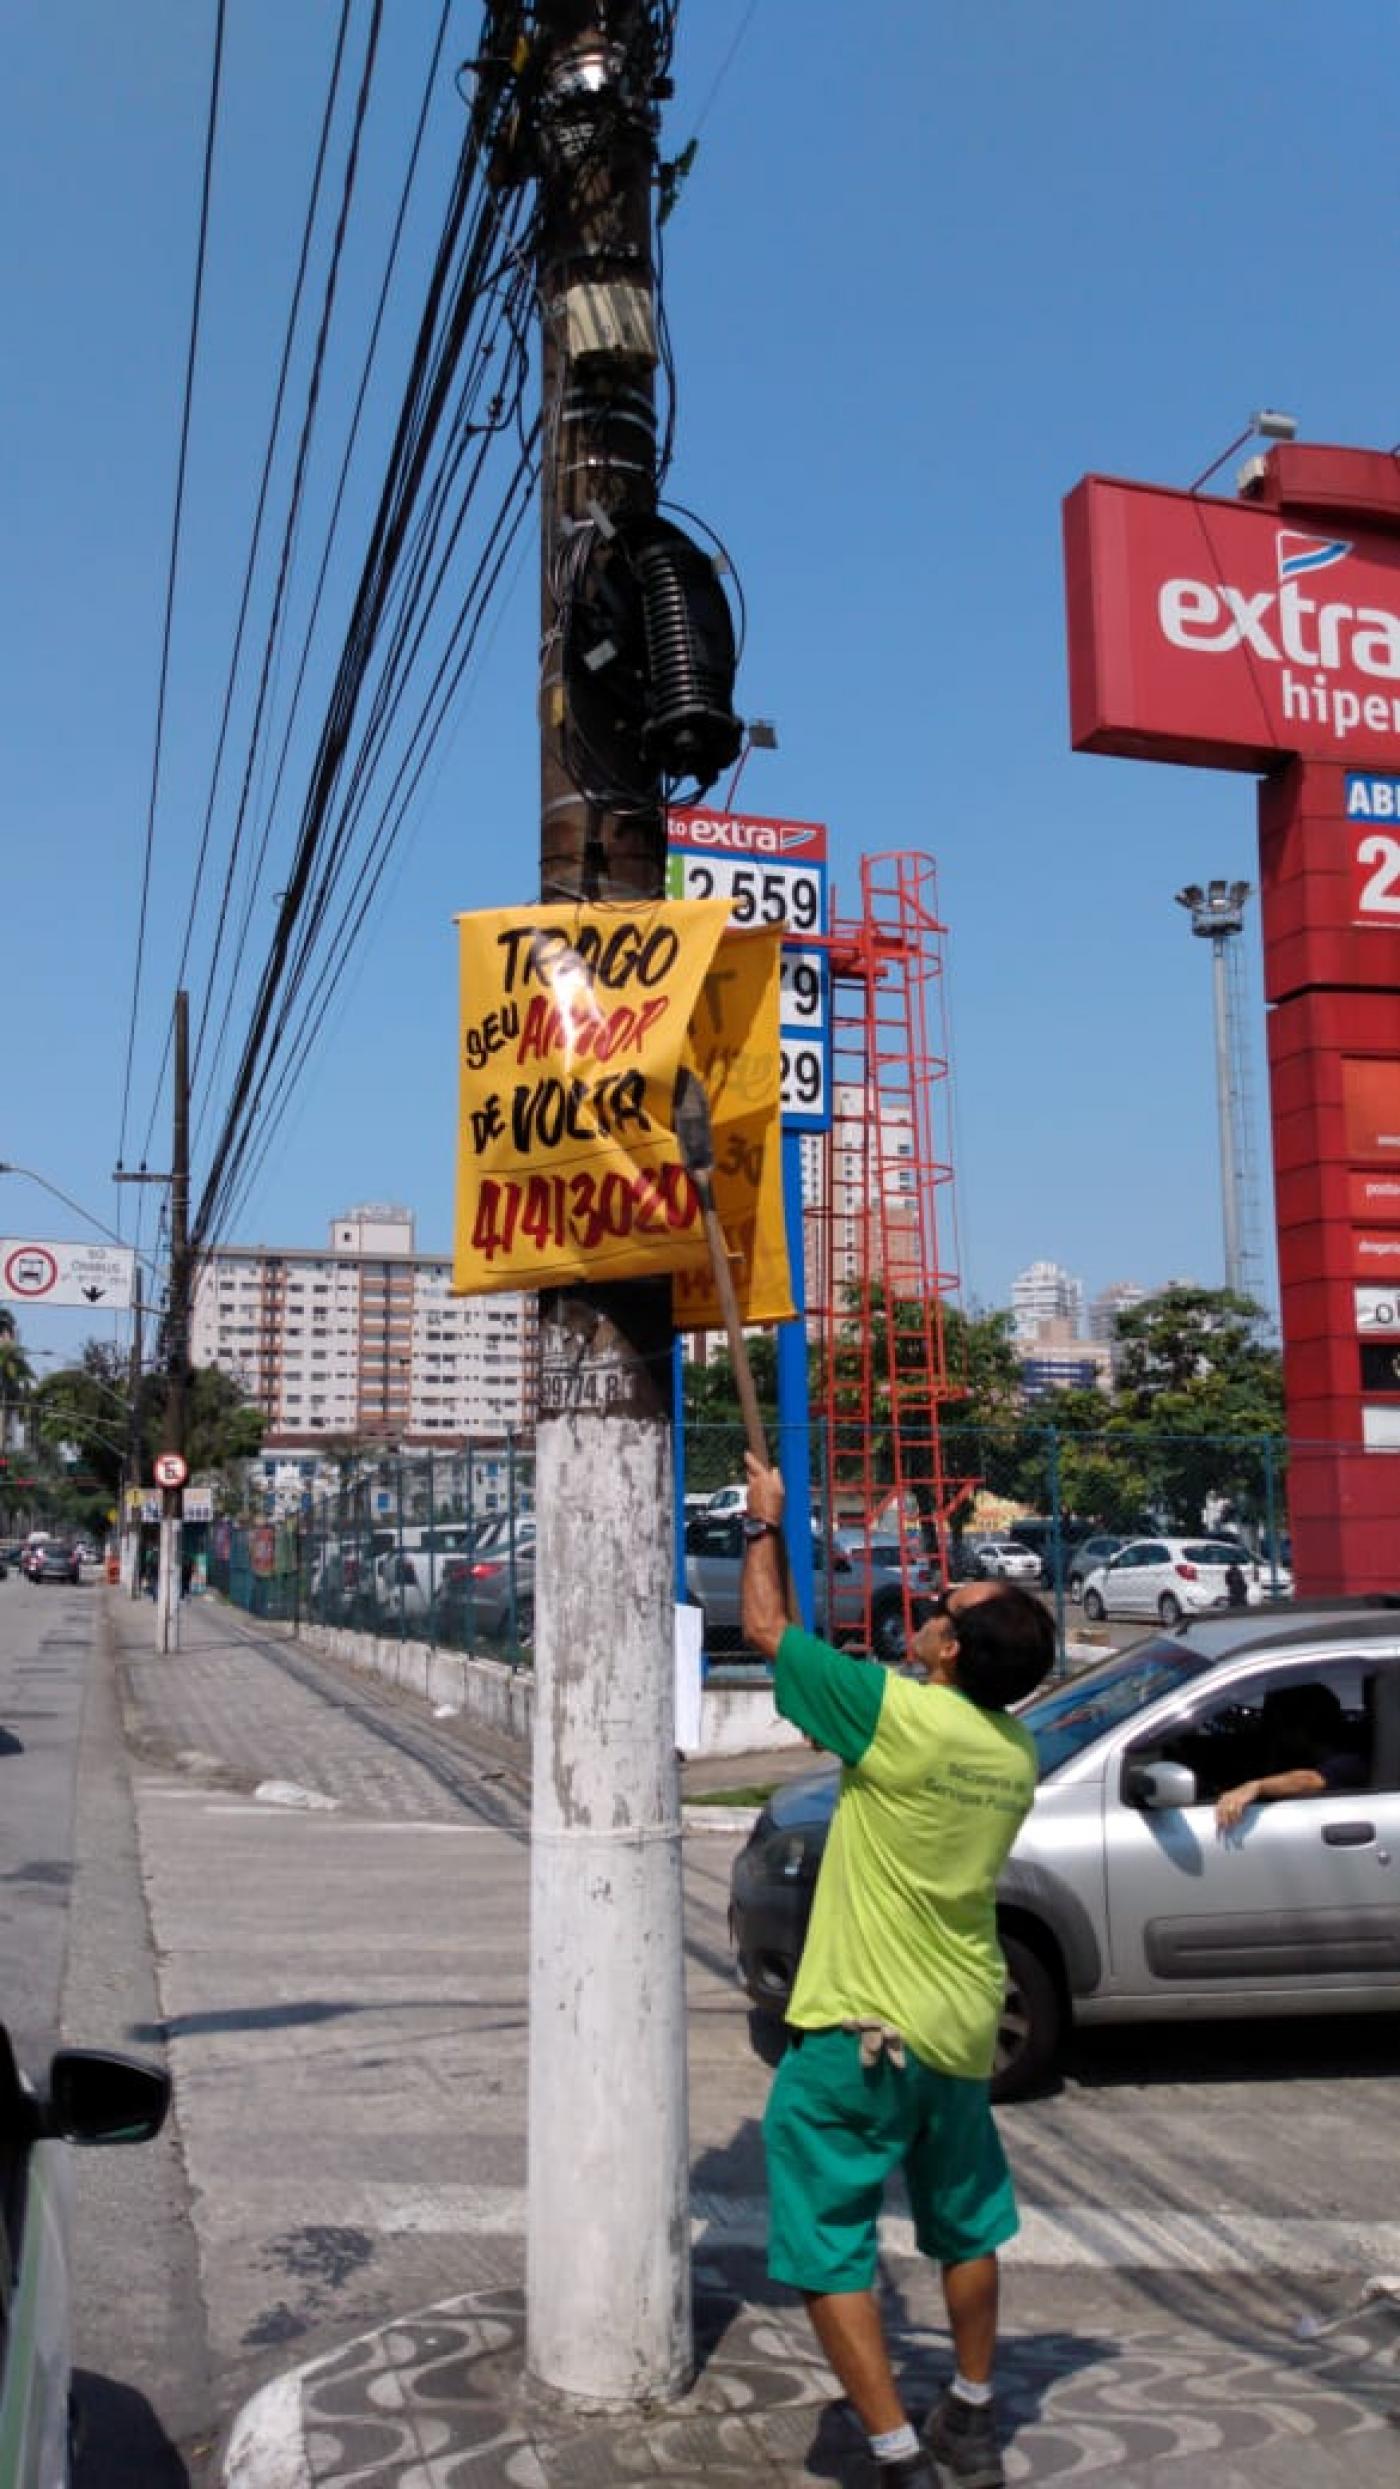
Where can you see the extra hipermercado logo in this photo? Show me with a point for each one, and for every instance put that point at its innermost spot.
(1285, 626)
(1207, 631)
(746, 834)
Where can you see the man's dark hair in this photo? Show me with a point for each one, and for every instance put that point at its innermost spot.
(1006, 1644)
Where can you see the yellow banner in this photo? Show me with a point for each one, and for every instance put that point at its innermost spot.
(575, 1023)
(734, 1049)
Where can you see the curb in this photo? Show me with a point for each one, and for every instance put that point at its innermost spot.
(719, 1818)
(267, 2444)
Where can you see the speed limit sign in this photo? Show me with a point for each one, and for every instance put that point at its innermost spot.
(171, 1469)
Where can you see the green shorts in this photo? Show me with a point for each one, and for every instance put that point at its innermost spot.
(834, 2131)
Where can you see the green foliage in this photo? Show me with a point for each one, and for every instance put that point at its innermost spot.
(1198, 1395)
(16, 1372)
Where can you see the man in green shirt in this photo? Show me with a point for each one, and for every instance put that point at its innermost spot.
(899, 1993)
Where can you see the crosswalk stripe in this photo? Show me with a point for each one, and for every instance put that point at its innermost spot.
(1063, 2239)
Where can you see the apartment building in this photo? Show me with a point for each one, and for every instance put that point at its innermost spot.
(1041, 1294)
(364, 1340)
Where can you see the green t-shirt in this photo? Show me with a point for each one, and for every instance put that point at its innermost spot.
(933, 1794)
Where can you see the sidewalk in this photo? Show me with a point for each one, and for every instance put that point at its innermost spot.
(1106, 2389)
(1142, 2372)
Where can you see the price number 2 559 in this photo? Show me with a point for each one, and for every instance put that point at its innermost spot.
(758, 894)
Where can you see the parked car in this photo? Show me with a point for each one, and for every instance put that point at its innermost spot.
(54, 1562)
(920, 1570)
(1043, 1536)
(858, 1601)
(88, 2098)
(732, 1498)
(1006, 1560)
(1120, 1901)
(484, 1599)
(1086, 1559)
(1174, 1577)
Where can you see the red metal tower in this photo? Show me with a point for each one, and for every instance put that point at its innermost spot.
(882, 1244)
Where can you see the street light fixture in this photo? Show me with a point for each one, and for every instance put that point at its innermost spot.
(1268, 424)
(760, 735)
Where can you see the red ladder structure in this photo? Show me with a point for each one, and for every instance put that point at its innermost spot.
(882, 1242)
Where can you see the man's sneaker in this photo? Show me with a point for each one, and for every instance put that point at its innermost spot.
(962, 2438)
(908, 2471)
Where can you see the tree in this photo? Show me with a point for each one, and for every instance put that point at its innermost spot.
(713, 1419)
(223, 1429)
(16, 1372)
(1197, 1341)
(1197, 1387)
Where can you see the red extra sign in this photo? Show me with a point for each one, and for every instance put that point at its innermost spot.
(1222, 634)
(746, 834)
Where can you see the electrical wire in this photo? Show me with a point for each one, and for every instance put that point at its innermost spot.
(445, 325)
(270, 807)
(250, 568)
(206, 189)
(370, 757)
(320, 1003)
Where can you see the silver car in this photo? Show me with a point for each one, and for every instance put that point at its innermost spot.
(90, 2097)
(1123, 1899)
(858, 1600)
(1006, 1560)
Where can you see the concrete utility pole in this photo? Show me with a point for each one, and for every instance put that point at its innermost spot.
(177, 1336)
(609, 2316)
(131, 1529)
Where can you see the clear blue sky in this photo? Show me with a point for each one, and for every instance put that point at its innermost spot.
(933, 263)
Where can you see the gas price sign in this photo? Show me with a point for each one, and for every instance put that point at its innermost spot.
(773, 873)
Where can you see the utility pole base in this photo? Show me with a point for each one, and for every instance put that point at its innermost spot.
(608, 2254)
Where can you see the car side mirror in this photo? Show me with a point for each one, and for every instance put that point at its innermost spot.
(96, 2097)
(1156, 1786)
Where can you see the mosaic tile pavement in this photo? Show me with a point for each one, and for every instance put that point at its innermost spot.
(439, 2402)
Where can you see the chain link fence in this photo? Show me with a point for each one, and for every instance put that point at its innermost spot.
(441, 1547)
(437, 1548)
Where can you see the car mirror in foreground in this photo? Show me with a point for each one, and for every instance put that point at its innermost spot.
(96, 2097)
(1160, 1785)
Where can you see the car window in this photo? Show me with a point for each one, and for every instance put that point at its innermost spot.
(1064, 1722)
(1216, 1551)
(1127, 1559)
(1330, 1717)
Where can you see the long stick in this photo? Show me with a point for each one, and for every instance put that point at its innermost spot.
(696, 1138)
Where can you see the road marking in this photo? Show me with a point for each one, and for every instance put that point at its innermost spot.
(1062, 2240)
(253, 1812)
(360, 1823)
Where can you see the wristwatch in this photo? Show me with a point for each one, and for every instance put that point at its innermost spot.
(754, 1529)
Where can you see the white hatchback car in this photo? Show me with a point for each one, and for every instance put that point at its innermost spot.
(1006, 1560)
(1174, 1577)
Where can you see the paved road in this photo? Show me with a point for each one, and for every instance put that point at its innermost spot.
(340, 1990)
(46, 1638)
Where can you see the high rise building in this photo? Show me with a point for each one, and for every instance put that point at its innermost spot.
(1119, 1297)
(1045, 1293)
(859, 1227)
(364, 1339)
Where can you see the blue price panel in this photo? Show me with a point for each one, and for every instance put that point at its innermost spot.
(767, 890)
